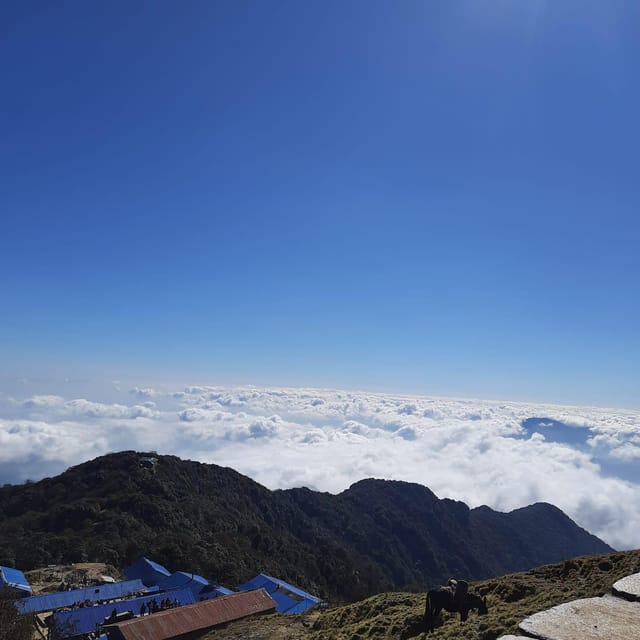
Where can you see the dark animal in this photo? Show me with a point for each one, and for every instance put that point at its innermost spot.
(444, 598)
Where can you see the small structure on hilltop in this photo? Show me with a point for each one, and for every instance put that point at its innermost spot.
(150, 572)
(148, 462)
(289, 599)
(14, 579)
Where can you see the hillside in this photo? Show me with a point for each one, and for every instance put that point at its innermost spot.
(396, 616)
(376, 536)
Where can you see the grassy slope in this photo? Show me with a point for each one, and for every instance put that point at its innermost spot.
(510, 598)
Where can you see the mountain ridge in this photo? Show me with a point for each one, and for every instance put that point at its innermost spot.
(377, 535)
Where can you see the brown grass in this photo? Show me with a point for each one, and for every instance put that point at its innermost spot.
(397, 616)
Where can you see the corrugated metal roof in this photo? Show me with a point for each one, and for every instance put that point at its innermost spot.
(87, 619)
(157, 567)
(214, 591)
(283, 601)
(196, 617)
(150, 572)
(181, 579)
(14, 578)
(286, 603)
(61, 599)
(269, 582)
(302, 606)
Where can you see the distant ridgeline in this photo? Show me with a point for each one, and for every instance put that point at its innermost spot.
(376, 536)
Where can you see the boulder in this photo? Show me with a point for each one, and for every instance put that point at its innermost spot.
(628, 587)
(603, 618)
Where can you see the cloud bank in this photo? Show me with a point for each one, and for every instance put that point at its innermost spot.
(503, 454)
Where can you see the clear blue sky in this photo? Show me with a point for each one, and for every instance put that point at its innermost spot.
(433, 197)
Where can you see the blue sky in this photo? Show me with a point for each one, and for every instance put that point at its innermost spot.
(428, 197)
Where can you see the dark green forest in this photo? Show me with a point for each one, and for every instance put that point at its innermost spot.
(376, 536)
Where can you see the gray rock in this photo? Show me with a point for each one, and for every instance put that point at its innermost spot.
(628, 587)
(605, 618)
(511, 638)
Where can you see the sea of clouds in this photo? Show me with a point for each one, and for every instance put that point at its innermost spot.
(504, 454)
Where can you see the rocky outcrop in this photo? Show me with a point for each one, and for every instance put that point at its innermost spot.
(628, 588)
(613, 616)
(587, 619)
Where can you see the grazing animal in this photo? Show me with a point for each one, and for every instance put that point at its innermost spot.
(443, 598)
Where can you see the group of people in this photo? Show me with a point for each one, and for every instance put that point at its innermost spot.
(81, 604)
(84, 603)
(147, 608)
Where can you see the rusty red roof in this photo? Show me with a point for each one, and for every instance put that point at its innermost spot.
(194, 617)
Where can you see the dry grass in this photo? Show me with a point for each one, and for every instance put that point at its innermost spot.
(397, 616)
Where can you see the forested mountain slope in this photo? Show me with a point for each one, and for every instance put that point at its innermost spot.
(375, 536)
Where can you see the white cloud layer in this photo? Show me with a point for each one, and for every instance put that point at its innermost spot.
(581, 459)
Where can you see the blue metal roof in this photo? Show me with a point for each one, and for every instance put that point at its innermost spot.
(150, 572)
(87, 619)
(61, 599)
(14, 578)
(214, 590)
(181, 579)
(286, 603)
(283, 601)
(302, 606)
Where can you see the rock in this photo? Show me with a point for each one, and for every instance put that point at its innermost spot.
(603, 618)
(628, 587)
(511, 638)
